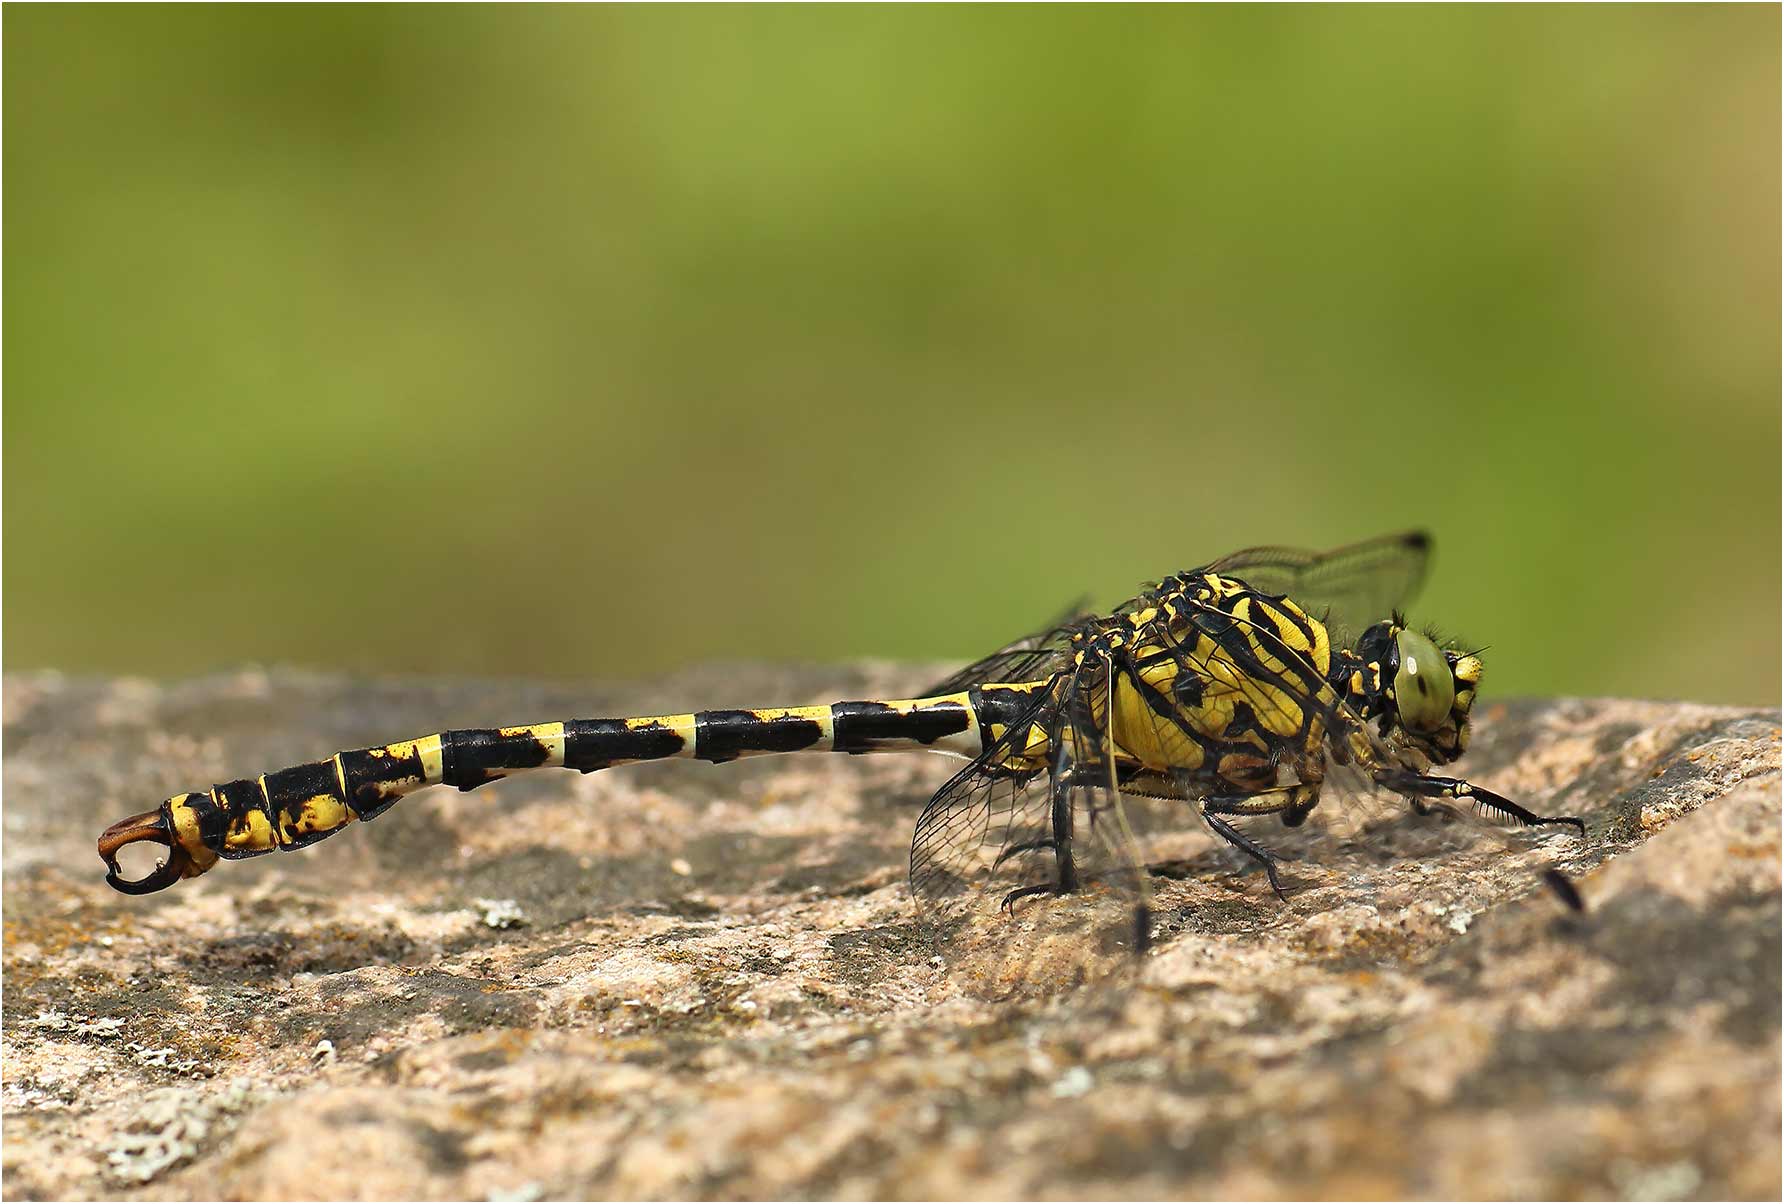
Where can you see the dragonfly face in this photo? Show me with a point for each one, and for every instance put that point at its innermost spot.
(1420, 693)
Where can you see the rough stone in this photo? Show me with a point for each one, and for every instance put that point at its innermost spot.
(681, 980)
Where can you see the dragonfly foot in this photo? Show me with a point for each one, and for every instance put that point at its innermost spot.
(1009, 900)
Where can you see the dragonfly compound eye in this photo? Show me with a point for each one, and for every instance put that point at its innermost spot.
(1424, 687)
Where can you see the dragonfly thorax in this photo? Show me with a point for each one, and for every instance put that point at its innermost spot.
(1206, 678)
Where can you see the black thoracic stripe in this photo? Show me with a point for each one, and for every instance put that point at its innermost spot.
(1188, 687)
(1271, 632)
(1244, 720)
(1155, 700)
(858, 727)
(726, 735)
(1296, 686)
(1295, 663)
(287, 790)
(472, 756)
(1214, 746)
(1297, 680)
(591, 744)
(376, 780)
(239, 798)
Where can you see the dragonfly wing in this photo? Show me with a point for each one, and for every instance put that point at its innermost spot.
(1356, 585)
(979, 815)
(1030, 658)
(1112, 865)
(996, 843)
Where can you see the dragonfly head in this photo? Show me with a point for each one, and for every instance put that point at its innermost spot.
(1420, 690)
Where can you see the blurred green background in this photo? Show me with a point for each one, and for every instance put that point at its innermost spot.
(593, 341)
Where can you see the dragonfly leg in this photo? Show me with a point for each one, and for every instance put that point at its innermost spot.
(1416, 788)
(1294, 803)
(1211, 814)
(1024, 892)
(1066, 880)
(1062, 836)
(1027, 846)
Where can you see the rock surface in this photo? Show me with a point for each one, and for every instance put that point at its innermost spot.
(681, 980)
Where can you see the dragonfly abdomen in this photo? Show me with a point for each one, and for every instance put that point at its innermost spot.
(293, 807)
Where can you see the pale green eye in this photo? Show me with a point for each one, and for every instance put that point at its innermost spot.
(1423, 688)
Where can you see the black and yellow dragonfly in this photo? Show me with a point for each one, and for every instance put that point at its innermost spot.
(1227, 691)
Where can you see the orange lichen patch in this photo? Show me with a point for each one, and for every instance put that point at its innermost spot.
(1763, 851)
(54, 935)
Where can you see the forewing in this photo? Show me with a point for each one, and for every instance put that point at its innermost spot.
(1030, 658)
(1354, 586)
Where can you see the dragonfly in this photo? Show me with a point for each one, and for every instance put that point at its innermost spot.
(1224, 693)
